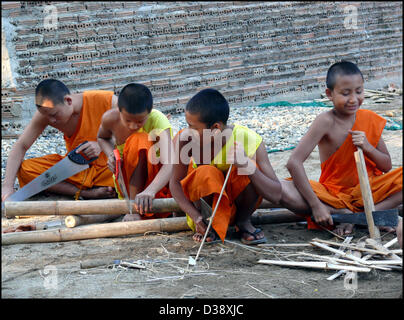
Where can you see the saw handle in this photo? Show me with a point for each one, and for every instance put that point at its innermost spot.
(118, 161)
(79, 158)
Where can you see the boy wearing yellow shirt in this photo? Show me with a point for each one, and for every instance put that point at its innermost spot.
(133, 129)
(203, 154)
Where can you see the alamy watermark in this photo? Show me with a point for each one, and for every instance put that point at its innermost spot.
(50, 277)
(193, 142)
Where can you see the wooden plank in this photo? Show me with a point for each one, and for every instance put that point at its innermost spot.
(315, 265)
(366, 193)
(380, 247)
(354, 247)
(342, 253)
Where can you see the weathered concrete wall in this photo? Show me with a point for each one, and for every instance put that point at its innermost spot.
(253, 52)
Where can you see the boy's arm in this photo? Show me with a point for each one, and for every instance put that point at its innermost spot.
(379, 155)
(310, 140)
(16, 156)
(144, 199)
(263, 177)
(179, 172)
(105, 139)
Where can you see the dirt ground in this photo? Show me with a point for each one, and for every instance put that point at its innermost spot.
(229, 270)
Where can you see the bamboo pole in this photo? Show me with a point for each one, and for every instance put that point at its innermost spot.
(366, 193)
(86, 207)
(115, 229)
(315, 265)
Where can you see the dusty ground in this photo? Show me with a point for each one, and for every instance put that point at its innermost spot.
(229, 270)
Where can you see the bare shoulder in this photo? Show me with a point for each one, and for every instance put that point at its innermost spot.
(110, 117)
(325, 119)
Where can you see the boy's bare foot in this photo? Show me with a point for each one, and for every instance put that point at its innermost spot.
(99, 193)
(131, 217)
(344, 229)
(211, 237)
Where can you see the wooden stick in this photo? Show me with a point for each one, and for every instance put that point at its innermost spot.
(85, 207)
(113, 229)
(380, 247)
(390, 243)
(342, 253)
(382, 92)
(340, 272)
(353, 247)
(284, 245)
(315, 265)
(366, 193)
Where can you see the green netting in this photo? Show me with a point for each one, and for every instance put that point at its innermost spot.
(393, 125)
(390, 125)
(299, 104)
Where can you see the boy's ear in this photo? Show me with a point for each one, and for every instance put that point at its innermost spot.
(216, 125)
(328, 92)
(68, 99)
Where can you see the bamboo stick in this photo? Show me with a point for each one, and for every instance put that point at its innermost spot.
(342, 253)
(354, 247)
(379, 246)
(366, 193)
(114, 229)
(315, 265)
(86, 207)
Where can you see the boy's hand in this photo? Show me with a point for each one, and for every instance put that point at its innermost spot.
(143, 201)
(91, 149)
(359, 139)
(6, 192)
(322, 215)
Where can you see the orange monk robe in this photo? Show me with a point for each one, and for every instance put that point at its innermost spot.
(204, 180)
(137, 142)
(339, 184)
(95, 103)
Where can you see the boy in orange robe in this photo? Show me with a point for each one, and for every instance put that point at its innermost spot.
(204, 152)
(338, 133)
(78, 116)
(133, 129)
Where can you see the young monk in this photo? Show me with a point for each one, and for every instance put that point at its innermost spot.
(78, 117)
(133, 129)
(203, 153)
(338, 133)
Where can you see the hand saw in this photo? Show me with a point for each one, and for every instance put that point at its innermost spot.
(65, 168)
(120, 178)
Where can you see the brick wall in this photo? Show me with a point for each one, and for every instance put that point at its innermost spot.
(253, 52)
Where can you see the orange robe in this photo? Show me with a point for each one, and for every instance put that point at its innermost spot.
(339, 184)
(95, 103)
(137, 142)
(206, 180)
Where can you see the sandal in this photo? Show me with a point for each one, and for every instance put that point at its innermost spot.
(254, 234)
